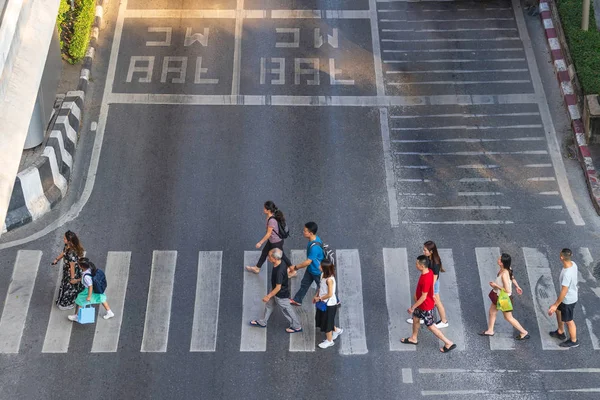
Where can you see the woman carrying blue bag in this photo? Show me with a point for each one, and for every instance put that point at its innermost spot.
(326, 305)
(87, 296)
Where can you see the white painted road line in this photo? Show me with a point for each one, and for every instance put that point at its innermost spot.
(305, 340)
(106, 338)
(17, 300)
(451, 300)
(552, 140)
(378, 69)
(255, 288)
(237, 50)
(206, 306)
(389, 167)
(58, 334)
(158, 308)
(398, 297)
(586, 268)
(487, 264)
(351, 314)
(543, 293)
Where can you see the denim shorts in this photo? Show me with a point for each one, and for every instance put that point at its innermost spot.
(436, 287)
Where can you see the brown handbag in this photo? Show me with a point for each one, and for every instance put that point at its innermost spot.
(493, 296)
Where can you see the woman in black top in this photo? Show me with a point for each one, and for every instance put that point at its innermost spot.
(67, 292)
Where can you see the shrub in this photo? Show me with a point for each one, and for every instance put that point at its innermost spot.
(74, 27)
(583, 46)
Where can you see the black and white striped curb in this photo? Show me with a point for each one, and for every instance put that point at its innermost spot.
(42, 185)
(84, 76)
(39, 187)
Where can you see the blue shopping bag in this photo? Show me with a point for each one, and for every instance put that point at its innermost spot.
(86, 314)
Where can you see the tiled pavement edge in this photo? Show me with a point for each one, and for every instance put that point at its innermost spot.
(591, 176)
(41, 186)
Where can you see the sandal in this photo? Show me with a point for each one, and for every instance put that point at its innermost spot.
(256, 324)
(519, 337)
(448, 349)
(292, 330)
(482, 333)
(406, 341)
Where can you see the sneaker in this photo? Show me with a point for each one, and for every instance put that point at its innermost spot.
(441, 324)
(338, 333)
(569, 343)
(72, 317)
(63, 308)
(409, 321)
(557, 335)
(253, 269)
(109, 314)
(325, 344)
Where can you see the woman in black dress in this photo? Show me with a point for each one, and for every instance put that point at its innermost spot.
(67, 292)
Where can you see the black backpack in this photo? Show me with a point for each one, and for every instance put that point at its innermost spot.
(328, 252)
(282, 230)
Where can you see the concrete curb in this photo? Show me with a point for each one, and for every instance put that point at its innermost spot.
(570, 98)
(41, 186)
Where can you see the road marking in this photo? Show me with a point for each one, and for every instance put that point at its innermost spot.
(496, 39)
(543, 294)
(470, 180)
(315, 101)
(465, 222)
(412, 180)
(549, 193)
(376, 48)
(106, 337)
(542, 179)
(255, 288)
(454, 82)
(457, 208)
(252, 14)
(445, 11)
(456, 71)
(469, 127)
(407, 375)
(416, 194)
(58, 334)
(505, 391)
(452, 60)
(479, 166)
(487, 266)
(553, 208)
(448, 20)
(588, 263)
(206, 306)
(552, 140)
(328, 14)
(479, 140)
(180, 14)
(480, 194)
(390, 182)
(398, 297)
(305, 340)
(18, 297)
(351, 314)
(158, 307)
(488, 371)
(471, 153)
(538, 165)
(469, 115)
(451, 300)
(237, 51)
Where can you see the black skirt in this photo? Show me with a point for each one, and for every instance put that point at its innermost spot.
(325, 320)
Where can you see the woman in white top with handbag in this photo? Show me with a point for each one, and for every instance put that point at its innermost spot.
(504, 280)
(326, 303)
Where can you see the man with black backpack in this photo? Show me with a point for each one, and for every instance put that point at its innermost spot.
(314, 255)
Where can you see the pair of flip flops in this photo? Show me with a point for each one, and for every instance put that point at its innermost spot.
(518, 337)
(288, 330)
(443, 349)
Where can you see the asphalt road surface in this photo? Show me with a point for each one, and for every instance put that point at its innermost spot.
(388, 123)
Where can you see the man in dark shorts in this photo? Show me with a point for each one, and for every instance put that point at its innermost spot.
(279, 294)
(567, 299)
(423, 307)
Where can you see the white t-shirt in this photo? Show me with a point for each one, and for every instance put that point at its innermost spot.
(86, 279)
(323, 290)
(568, 278)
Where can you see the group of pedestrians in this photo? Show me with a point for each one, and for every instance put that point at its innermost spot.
(319, 269)
(76, 285)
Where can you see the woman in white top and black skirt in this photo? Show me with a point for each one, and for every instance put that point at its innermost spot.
(326, 304)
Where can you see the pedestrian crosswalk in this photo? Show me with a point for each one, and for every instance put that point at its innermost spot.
(398, 273)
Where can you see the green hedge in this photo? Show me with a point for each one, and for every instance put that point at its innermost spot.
(583, 46)
(74, 27)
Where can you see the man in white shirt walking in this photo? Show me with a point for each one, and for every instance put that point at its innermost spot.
(567, 299)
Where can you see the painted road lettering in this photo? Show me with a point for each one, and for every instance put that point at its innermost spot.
(307, 57)
(190, 56)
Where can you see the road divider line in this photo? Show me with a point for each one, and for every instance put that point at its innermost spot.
(305, 340)
(397, 296)
(487, 265)
(255, 288)
(237, 50)
(158, 307)
(106, 337)
(18, 298)
(588, 266)
(206, 306)
(351, 314)
(543, 294)
(451, 300)
(388, 162)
